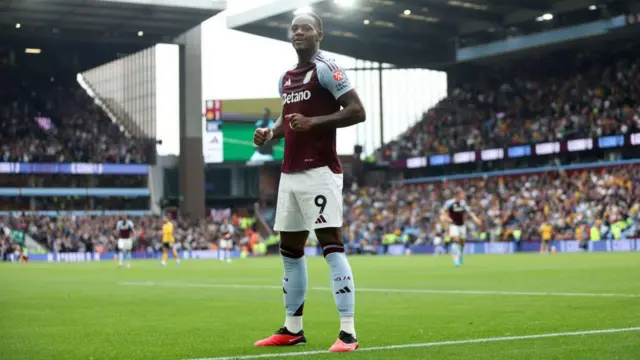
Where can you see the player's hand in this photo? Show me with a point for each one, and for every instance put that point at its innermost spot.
(299, 122)
(261, 136)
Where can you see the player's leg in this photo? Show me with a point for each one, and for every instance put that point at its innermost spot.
(120, 252)
(227, 253)
(461, 241)
(175, 254)
(165, 246)
(221, 249)
(343, 286)
(128, 248)
(293, 236)
(321, 204)
(227, 244)
(294, 287)
(454, 234)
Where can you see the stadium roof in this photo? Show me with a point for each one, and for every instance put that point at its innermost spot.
(427, 32)
(111, 21)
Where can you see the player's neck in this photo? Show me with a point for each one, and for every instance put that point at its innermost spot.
(305, 56)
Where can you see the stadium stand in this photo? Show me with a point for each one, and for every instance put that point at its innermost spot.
(561, 97)
(49, 118)
(78, 233)
(569, 201)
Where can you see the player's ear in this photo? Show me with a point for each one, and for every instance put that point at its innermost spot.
(320, 35)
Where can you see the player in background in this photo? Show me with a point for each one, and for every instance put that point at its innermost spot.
(546, 233)
(124, 230)
(225, 245)
(317, 98)
(265, 152)
(168, 241)
(453, 213)
(438, 240)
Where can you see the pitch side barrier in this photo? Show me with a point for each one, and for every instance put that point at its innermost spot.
(563, 246)
(515, 172)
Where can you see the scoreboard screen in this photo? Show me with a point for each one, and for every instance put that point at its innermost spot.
(228, 127)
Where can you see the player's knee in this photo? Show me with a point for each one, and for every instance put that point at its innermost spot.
(292, 244)
(293, 252)
(330, 240)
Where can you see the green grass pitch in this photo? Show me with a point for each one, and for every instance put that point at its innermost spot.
(207, 309)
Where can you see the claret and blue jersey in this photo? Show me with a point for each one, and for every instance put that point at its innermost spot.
(312, 90)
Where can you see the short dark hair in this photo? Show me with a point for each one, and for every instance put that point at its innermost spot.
(315, 18)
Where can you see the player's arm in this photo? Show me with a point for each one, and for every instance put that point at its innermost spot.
(261, 136)
(444, 216)
(334, 79)
(133, 230)
(444, 213)
(277, 130)
(352, 113)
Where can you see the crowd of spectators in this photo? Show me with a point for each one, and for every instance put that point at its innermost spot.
(7, 246)
(49, 119)
(567, 201)
(73, 233)
(585, 95)
(571, 202)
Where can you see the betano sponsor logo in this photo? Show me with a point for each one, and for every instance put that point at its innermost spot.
(296, 97)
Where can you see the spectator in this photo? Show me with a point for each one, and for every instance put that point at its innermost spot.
(507, 205)
(591, 95)
(46, 120)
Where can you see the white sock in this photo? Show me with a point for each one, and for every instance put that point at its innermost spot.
(347, 325)
(293, 323)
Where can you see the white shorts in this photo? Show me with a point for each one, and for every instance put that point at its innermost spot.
(125, 244)
(458, 231)
(226, 244)
(309, 200)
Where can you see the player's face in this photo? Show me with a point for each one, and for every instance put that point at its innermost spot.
(304, 34)
(460, 196)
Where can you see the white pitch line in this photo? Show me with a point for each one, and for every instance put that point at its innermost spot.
(430, 344)
(408, 291)
(247, 143)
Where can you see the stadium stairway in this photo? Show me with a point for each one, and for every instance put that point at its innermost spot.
(115, 112)
(156, 181)
(262, 225)
(32, 245)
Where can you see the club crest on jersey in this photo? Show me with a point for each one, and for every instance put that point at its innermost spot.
(288, 83)
(307, 77)
(337, 75)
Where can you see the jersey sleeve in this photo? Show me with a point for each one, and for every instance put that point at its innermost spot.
(448, 204)
(280, 84)
(333, 78)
